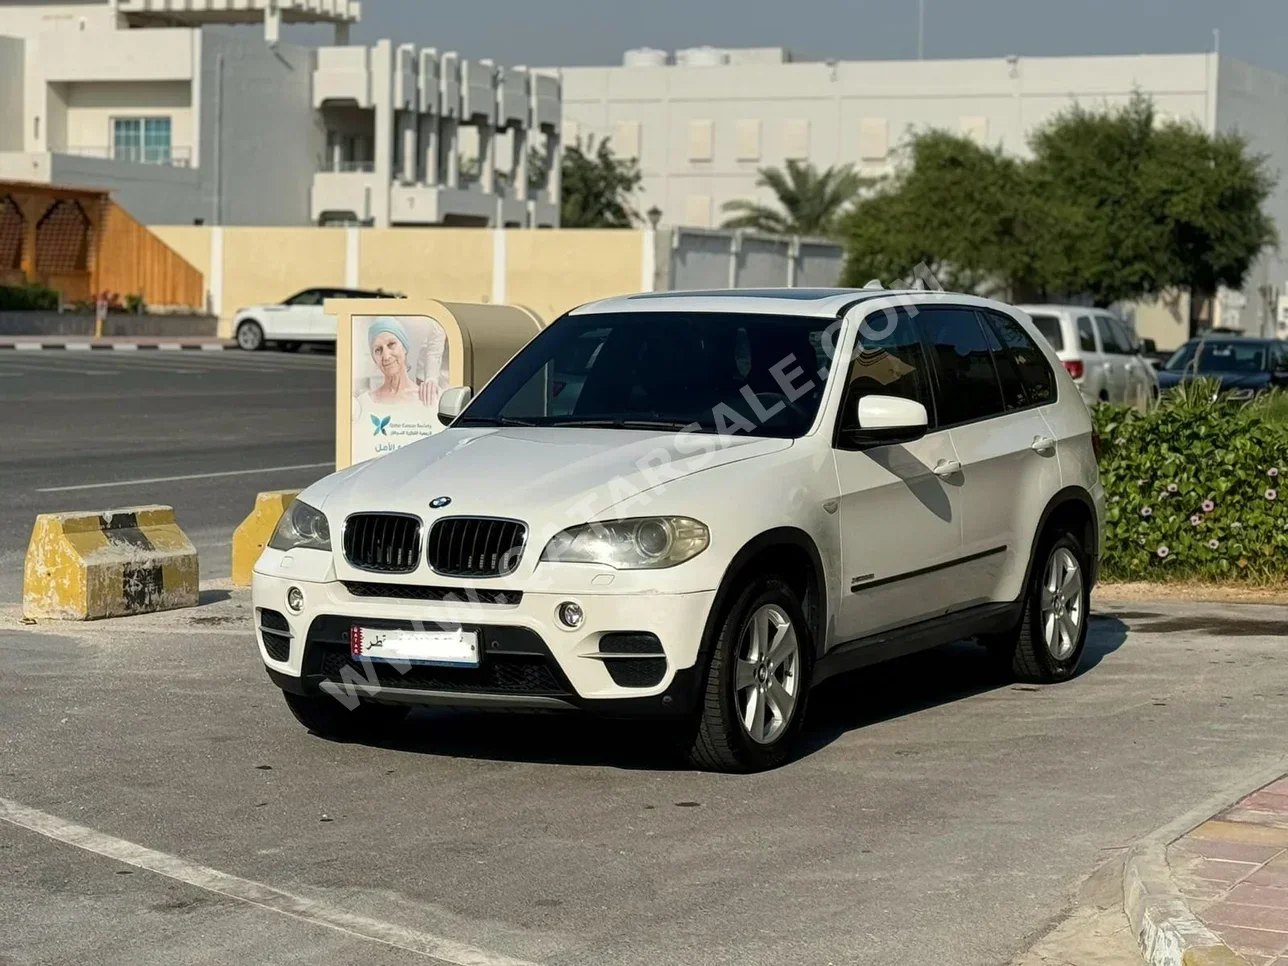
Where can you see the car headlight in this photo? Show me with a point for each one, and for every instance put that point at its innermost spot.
(642, 543)
(301, 526)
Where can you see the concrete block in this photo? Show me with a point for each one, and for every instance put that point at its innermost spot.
(252, 535)
(110, 563)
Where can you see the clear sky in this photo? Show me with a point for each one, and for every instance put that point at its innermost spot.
(572, 32)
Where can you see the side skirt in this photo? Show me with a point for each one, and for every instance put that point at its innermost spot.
(992, 618)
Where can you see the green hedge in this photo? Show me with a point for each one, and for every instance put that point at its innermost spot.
(1193, 488)
(21, 298)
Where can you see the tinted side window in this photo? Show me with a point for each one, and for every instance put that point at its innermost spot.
(1008, 376)
(311, 296)
(968, 387)
(888, 360)
(1086, 337)
(1109, 337)
(1028, 359)
(1126, 337)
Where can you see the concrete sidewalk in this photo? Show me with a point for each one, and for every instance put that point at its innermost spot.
(1233, 872)
(1212, 888)
(119, 342)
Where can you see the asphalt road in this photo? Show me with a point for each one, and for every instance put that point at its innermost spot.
(937, 815)
(114, 428)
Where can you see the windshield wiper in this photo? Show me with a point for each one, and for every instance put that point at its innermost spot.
(492, 421)
(624, 423)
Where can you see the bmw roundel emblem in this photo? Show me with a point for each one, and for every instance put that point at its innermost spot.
(438, 502)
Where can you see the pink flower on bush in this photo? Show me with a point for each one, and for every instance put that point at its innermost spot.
(1195, 520)
(1163, 552)
(1146, 512)
(1272, 472)
(1213, 544)
(1172, 487)
(1208, 506)
(1272, 494)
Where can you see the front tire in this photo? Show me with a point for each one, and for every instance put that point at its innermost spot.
(1048, 644)
(327, 718)
(250, 336)
(753, 706)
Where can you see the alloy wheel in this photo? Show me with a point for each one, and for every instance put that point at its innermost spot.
(1063, 611)
(767, 677)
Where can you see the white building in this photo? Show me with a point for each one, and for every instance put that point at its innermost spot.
(186, 122)
(702, 122)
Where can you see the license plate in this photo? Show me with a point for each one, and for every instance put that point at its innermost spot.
(457, 648)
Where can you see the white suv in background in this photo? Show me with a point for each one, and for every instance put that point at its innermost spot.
(295, 320)
(749, 493)
(1101, 353)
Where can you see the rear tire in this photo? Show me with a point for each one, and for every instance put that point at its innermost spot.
(1047, 645)
(753, 705)
(250, 336)
(327, 718)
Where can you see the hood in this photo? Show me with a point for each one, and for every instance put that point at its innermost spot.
(528, 473)
(1228, 380)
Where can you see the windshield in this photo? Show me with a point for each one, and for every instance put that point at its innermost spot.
(710, 372)
(1222, 356)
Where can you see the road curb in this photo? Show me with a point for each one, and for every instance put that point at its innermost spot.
(1167, 931)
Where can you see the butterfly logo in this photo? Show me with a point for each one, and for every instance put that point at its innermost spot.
(380, 424)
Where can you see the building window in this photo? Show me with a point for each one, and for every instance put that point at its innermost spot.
(700, 140)
(626, 139)
(874, 139)
(697, 211)
(796, 139)
(748, 138)
(975, 128)
(144, 140)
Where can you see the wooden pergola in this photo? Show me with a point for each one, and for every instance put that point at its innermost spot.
(82, 244)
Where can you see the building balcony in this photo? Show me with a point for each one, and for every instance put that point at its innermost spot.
(345, 195)
(343, 76)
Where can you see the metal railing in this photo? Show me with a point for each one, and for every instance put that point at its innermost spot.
(176, 156)
(347, 167)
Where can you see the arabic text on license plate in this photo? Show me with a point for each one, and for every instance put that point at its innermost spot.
(457, 648)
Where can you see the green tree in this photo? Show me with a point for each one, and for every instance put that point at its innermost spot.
(811, 202)
(952, 206)
(598, 187)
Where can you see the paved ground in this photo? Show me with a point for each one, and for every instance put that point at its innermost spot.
(1233, 870)
(79, 420)
(936, 817)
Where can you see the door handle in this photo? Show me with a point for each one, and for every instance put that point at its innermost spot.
(946, 468)
(1043, 444)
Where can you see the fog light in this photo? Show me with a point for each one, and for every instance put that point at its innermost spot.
(295, 600)
(570, 615)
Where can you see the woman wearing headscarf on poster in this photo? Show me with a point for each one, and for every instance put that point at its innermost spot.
(402, 408)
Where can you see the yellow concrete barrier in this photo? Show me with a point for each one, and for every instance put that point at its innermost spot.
(83, 566)
(253, 534)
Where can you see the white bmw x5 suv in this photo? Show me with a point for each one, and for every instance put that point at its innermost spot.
(697, 506)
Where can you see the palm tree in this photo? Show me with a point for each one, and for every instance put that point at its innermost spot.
(812, 202)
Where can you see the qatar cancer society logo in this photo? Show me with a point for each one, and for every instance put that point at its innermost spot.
(380, 424)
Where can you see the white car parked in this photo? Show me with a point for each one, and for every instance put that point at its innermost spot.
(751, 492)
(1100, 352)
(296, 320)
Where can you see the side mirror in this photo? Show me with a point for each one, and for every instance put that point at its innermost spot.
(888, 419)
(452, 403)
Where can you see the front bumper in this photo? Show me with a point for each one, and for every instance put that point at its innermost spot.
(528, 660)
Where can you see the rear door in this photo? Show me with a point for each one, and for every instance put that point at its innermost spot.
(991, 383)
